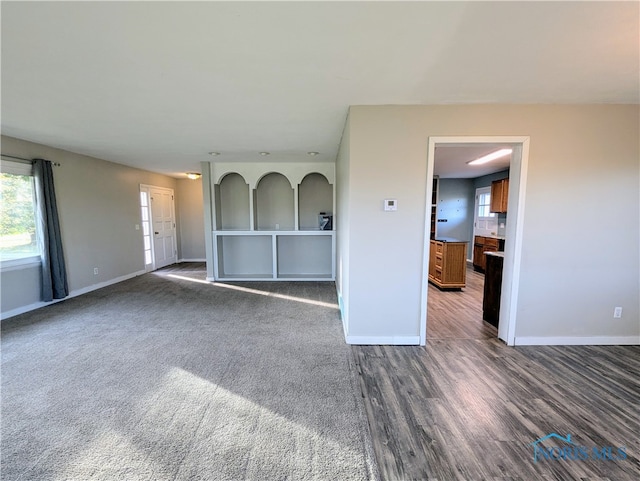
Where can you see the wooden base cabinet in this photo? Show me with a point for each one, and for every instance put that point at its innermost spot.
(482, 245)
(448, 264)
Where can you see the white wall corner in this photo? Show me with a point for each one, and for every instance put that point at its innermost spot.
(343, 316)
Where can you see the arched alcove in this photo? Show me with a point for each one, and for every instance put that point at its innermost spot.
(232, 203)
(274, 203)
(315, 195)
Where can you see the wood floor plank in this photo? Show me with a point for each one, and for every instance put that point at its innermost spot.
(467, 407)
(457, 314)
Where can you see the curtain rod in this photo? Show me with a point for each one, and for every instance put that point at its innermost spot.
(30, 161)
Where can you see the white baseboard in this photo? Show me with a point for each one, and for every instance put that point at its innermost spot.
(74, 293)
(27, 308)
(192, 260)
(384, 340)
(578, 341)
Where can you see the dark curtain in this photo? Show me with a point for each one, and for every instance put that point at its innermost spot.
(54, 274)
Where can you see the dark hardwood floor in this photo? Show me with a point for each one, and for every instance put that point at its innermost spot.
(467, 407)
(458, 314)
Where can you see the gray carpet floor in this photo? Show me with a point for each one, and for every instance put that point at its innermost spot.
(168, 377)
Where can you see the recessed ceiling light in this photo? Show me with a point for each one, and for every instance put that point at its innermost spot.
(194, 175)
(214, 153)
(313, 154)
(489, 157)
(265, 153)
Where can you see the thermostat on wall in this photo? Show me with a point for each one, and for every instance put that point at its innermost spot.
(390, 204)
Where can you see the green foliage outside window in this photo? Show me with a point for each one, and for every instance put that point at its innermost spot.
(17, 217)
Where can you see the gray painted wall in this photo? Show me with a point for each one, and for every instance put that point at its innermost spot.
(99, 206)
(456, 201)
(189, 207)
(583, 165)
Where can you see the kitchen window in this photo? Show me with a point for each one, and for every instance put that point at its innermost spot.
(484, 205)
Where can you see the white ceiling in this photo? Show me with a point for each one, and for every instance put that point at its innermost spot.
(450, 161)
(157, 85)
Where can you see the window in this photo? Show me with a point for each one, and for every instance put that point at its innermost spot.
(18, 234)
(484, 205)
(146, 227)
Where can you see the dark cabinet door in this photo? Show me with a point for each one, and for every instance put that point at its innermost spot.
(478, 253)
(492, 289)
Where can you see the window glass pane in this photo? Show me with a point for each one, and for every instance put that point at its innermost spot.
(147, 257)
(145, 228)
(17, 217)
(145, 214)
(143, 199)
(147, 242)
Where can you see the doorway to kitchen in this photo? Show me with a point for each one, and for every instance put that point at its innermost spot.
(458, 305)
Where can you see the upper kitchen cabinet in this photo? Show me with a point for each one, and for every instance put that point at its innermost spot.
(499, 195)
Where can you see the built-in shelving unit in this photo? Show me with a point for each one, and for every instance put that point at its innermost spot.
(265, 221)
(434, 207)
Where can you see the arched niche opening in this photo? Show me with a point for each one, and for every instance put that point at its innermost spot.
(315, 195)
(232, 203)
(274, 203)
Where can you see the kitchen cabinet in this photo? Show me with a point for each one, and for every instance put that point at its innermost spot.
(492, 287)
(448, 263)
(482, 245)
(499, 196)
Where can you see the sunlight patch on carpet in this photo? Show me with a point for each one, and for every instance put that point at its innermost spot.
(257, 291)
(209, 433)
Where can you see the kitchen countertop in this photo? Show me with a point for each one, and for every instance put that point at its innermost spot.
(449, 239)
(496, 254)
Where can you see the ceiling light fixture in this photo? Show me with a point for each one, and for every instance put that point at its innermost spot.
(489, 157)
(194, 175)
(214, 153)
(265, 153)
(313, 154)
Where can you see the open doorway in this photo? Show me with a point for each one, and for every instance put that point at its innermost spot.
(452, 217)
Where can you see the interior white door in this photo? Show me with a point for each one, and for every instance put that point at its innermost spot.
(164, 227)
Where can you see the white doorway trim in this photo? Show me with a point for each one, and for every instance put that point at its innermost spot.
(149, 189)
(513, 241)
(147, 228)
